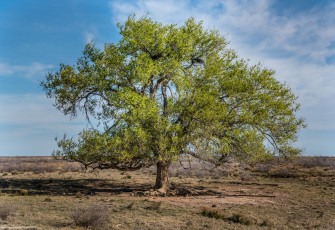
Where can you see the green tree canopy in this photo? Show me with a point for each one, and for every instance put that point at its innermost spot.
(165, 91)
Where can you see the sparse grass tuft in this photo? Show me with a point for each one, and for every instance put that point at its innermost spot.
(264, 223)
(156, 205)
(47, 199)
(218, 214)
(213, 213)
(90, 216)
(24, 192)
(6, 210)
(245, 176)
(78, 195)
(283, 172)
(240, 218)
(130, 206)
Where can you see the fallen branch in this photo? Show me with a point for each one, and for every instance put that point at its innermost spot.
(236, 195)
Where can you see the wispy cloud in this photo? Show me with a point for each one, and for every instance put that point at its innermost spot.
(30, 109)
(31, 122)
(93, 36)
(33, 70)
(88, 37)
(170, 11)
(314, 85)
(305, 34)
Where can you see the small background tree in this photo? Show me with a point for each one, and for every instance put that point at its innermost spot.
(165, 91)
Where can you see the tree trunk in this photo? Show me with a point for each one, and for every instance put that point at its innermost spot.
(162, 176)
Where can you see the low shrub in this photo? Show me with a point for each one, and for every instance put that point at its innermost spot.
(213, 213)
(262, 168)
(47, 199)
(78, 195)
(245, 177)
(24, 192)
(156, 205)
(218, 214)
(6, 210)
(37, 165)
(312, 162)
(130, 206)
(264, 223)
(283, 172)
(90, 215)
(240, 218)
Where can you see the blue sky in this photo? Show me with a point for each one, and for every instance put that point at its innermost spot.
(296, 38)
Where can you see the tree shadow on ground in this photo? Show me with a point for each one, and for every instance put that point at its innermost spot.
(68, 186)
(71, 187)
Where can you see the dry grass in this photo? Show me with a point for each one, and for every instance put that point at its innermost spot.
(36, 165)
(6, 210)
(90, 215)
(213, 213)
(260, 197)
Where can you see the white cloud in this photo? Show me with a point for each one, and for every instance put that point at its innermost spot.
(30, 71)
(306, 34)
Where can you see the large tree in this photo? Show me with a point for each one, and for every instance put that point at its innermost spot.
(165, 91)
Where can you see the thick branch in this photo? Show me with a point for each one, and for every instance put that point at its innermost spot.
(165, 101)
(156, 87)
(123, 166)
(272, 140)
(193, 154)
(132, 85)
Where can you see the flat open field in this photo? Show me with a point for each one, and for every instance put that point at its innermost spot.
(52, 194)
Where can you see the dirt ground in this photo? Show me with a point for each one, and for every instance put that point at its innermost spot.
(280, 195)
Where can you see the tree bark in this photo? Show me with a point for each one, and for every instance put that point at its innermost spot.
(162, 176)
